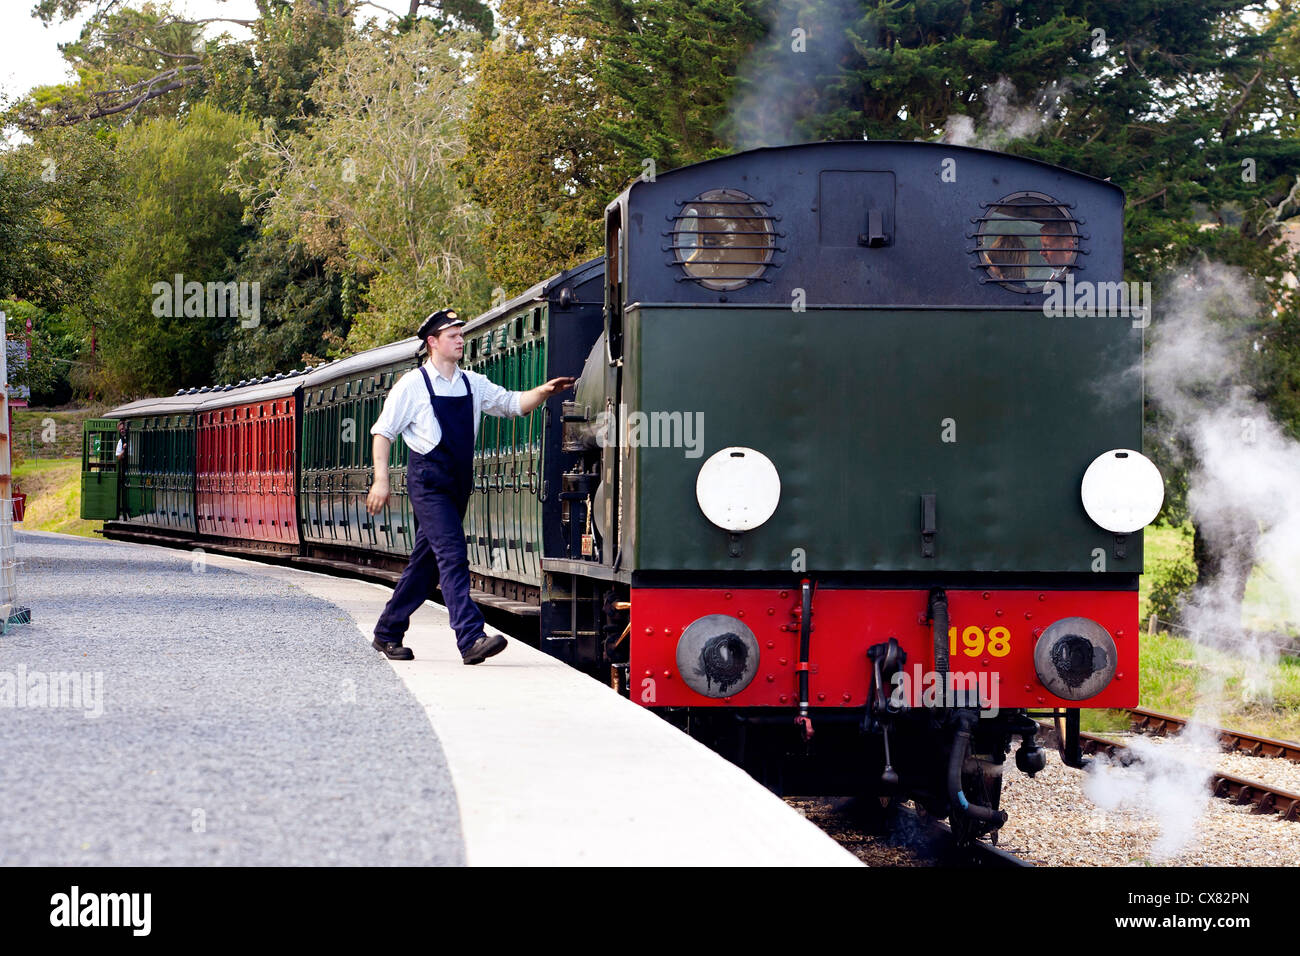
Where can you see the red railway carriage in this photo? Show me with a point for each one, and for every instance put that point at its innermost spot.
(247, 462)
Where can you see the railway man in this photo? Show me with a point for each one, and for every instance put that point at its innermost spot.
(436, 410)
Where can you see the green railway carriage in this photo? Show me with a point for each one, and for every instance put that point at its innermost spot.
(99, 468)
(341, 401)
(514, 517)
(159, 469)
(540, 334)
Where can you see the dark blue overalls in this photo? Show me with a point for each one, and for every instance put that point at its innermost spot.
(439, 485)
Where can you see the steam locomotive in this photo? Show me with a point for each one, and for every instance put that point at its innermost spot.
(838, 493)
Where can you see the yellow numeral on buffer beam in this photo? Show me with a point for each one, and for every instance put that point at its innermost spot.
(974, 642)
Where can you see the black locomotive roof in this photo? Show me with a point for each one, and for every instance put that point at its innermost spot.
(870, 224)
(760, 152)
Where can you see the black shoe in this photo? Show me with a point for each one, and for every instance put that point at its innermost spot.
(393, 649)
(483, 648)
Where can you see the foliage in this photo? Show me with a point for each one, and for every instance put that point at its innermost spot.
(301, 311)
(1171, 584)
(58, 197)
(269, 78)
(671, 66)
(370, 183)
(127, 61)
(535, 160)
(55, 343)
(178, 222)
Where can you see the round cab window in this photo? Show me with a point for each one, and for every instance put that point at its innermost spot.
(723, 239)
(1025, 240)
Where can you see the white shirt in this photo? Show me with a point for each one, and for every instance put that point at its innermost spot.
(408, 412)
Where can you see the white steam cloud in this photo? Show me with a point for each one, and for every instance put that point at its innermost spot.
(781, 80)
(1005, 117)
(1244, 482)
(1244, 496)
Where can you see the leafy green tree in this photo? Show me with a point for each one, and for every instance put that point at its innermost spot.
(671, 66)
(131, 63)
(302, 315)
(177, 221)
(537, 159)
(55, 343)
(577, 98)
(58, 195)
(370, 183)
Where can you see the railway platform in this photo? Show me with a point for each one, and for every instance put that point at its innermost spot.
(170, 707)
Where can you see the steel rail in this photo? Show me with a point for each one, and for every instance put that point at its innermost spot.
(1262, 797)
(1154, 722)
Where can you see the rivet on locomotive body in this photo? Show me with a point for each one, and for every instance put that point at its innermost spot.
(821, 696)
(771, 678)
(986, 595)
(1028, 616)
(1038, 631)
(740, 613)
(784, 661)
(771, 610)
(649, 630)
(783, 698)
(1119, 633)
(649, 673)
(998, 612)
(1119, 675)
(1028, 687)
(847, 697)
(985, 662)
(726, 595)
(669, 675)
(668, 630)
(771, 644)
(1042, 597)
(785, 594)
(1042, 700)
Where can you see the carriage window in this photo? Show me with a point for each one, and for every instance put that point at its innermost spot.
(723, 239)
(1025, 240)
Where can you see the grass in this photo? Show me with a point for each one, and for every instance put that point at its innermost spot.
(53, 489)
(1180, 677)
(34, 439)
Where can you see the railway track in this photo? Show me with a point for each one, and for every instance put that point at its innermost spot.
(898, 837)
(1161, 725)
(1262, 797)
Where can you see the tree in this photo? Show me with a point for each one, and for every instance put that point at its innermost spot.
(58, 197)
(55, 343)
(177, 221)
(671, 65)
(573, 98)
(302, 314)
(153, 61)
(537, 160)
(370, 186)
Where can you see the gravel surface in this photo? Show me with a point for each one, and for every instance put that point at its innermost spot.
(853, 827)
(238, 721)
(1157, 812)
